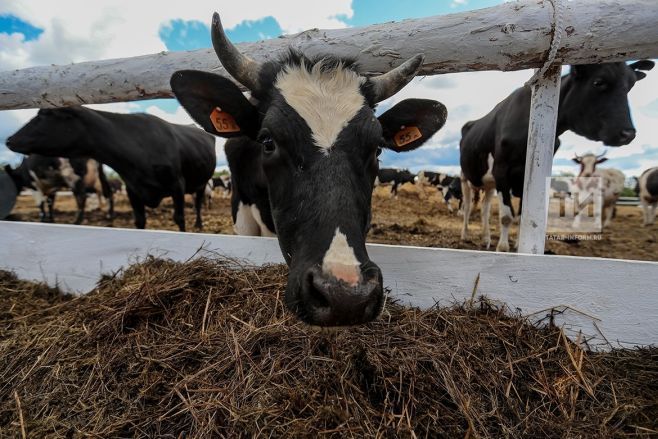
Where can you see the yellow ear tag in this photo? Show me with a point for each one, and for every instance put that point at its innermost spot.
(406, 135)
(223, 122)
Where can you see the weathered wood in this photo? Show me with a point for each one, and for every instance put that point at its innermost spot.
(616, 297)
(511, 36)
(539, 161)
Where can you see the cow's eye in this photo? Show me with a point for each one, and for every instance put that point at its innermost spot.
(599, 83)
(268, 144)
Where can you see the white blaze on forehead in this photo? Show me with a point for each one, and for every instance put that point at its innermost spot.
(326, 100)
(340, 261)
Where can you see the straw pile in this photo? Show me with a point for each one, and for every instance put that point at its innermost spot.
(206, 349)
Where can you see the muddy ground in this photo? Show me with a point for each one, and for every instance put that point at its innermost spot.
(413, 218)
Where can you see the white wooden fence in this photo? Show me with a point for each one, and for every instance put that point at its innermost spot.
(607, 300)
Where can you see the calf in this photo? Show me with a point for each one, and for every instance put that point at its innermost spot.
(593, 104)
(46, 175)
(612, 182)
(303, 158)
(155, 159)
(394, 177)
(648, 192)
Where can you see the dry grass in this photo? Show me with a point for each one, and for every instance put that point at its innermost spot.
(206, 349)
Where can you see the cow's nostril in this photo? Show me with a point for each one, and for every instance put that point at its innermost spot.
(316, 297)
(627, 134)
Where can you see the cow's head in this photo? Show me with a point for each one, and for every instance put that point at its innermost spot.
(53, 133)
(588, 164)
(320, 140)
(597, 101)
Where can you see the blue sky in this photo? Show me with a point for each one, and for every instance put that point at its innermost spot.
(42, 32)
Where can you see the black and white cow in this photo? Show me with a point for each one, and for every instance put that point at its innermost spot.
(303, 158)
(448, 185)
(46, 175)
(647, 189)
(593, 104)
(394, 177)
(155, 159)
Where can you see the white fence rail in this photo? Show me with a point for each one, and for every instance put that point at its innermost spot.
(511, 36)
(609, 301)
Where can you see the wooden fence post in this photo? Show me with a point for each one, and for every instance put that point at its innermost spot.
(539, 160)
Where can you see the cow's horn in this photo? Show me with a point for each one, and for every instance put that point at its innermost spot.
(600, 156)
(389, 83)
(242, 68)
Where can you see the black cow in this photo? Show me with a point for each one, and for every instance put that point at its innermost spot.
(647, 190)
(155, 159)
(47, 175)
(449, 186)
(303, 159)
(593, 104)
(395, 177)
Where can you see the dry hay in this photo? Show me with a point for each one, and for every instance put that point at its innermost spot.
(206, 349)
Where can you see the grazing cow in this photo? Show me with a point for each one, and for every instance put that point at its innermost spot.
(593, 104)
(647, 190)
(47, 175)
(394, 177)
(303, 158)
(449, 186)
(612, 182)
(155, 159)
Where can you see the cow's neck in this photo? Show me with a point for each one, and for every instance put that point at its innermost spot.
(117, 151)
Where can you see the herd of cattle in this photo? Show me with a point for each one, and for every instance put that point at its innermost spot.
(303, 153)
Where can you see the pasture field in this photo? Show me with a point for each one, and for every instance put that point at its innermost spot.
(413, 218)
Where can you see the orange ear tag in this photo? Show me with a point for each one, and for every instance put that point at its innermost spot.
(406, 135)
(223, 122)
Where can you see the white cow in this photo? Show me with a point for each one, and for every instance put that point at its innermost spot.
(647, 188)
(612, 181)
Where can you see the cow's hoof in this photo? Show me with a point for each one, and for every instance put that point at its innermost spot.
(486, 243)
(502, 247)
(464, 236)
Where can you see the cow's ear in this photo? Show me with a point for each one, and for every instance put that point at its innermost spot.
(8, 169)
(576, 159)
(601, 160)
(411, 123)
(643, 64)
(215, 103)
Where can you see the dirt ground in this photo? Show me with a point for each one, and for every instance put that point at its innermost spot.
(413, 218)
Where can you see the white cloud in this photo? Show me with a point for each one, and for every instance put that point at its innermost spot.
(76, 30)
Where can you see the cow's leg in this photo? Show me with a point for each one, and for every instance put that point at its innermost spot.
(446, 199)
(652, 213)
(486, 209)
(50, 201)
(107, 194)
(138, 209)
(517, 216)
(178, 197)
(506, 218)
(80, 199)
(645, 212)
(467, 196)
(394, 190)
(198, 202)
(607, 215)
